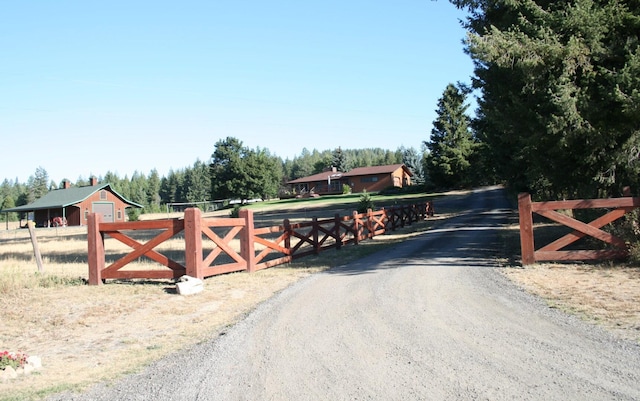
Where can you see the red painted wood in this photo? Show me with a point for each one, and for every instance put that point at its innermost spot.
(247, 245)
(193, 243)
(95, 254)
(526, 229)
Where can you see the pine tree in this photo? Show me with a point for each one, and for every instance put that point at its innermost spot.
(413, 160)
(560, 93)
(339, 160)
(38, 184)
(451, 144)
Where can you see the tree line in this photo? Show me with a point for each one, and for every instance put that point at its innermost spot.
(234, 171)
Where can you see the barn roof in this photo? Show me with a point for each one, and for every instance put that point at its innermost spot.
(66, 197)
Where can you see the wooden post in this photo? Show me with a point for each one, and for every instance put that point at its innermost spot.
(316, 239)
(336, 230)
(369, 223)
(356, 228)
(95, 241)
(392, 212)
(287, 238)
(193, 243)
(34, 243)
(526, 229)
(247, 245)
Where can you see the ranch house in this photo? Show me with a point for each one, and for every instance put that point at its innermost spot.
(370, 179)
(72, 205)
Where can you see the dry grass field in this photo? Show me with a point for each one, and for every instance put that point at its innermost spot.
(86, 334)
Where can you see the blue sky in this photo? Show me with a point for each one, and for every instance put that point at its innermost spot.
(89, 87)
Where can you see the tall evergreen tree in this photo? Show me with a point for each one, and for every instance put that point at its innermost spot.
(153, 191)
(451, 144)
(413, 160)
(340, 160)
(560, 93)
(38, 184)
(197, 182)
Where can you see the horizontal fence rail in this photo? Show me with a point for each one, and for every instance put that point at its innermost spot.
(617, 207)
(222, 245)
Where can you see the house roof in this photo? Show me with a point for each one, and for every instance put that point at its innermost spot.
(360, 171)
(66, 197)
(324, 176)
(388, 169)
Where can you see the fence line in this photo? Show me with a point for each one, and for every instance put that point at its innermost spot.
(209, 253)
(553, 251)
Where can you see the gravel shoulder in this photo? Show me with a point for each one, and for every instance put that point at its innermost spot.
(431, 318)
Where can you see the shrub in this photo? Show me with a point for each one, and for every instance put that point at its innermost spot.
(235, 212)
(628, 228)
(365, 203)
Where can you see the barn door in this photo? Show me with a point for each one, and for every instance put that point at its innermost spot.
(105, 209)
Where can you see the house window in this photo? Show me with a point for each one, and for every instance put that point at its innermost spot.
(103, 195)
(369, 179)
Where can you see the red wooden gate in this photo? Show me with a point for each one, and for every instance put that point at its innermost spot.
(553, 251)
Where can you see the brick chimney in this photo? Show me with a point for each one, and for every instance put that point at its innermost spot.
(66, 184)
(93, 181)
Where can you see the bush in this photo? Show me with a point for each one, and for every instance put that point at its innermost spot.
(628, 228)
(235, 212)
(346, 189)
(365, 203)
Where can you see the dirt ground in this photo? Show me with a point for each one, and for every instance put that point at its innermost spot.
(606, 295)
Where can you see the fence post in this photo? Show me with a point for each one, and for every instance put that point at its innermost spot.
(526, 229)
(193, 242)
(287, 238)
(316, 238)
(95, 241)
(336, 229)
(430, 209)
(369, 224)
(393, 218)
(247, 245)
(356, 228)
(34, 242)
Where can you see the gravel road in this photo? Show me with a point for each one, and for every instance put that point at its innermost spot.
(430, 319)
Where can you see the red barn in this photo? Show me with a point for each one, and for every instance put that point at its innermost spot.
(71, 205)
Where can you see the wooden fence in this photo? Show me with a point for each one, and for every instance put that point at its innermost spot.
(553, 251)
(223, 245)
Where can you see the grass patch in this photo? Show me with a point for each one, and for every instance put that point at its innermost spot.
(13, 281)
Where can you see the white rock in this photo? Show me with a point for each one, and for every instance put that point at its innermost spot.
(188, 285)
(35, 362)
(8, 373)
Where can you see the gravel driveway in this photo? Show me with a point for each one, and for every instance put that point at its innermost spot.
(430, 319)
